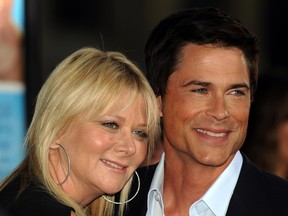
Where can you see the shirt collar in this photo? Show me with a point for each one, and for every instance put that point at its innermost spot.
(219, 194)
(157, 183)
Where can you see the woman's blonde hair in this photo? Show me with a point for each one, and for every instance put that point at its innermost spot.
(87, 83)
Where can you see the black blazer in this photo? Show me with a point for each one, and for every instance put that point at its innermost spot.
(256, 193)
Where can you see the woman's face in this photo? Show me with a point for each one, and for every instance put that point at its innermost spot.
(105, 152)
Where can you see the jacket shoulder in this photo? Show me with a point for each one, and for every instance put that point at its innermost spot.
(258, 192)
(138, 206)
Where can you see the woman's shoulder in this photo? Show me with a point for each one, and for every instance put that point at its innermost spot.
(34, 200)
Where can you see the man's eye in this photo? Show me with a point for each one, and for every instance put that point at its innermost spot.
(238, 92)
(112, 125)
(140, 133)
(200, 90)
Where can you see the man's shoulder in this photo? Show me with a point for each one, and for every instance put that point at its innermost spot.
(258, 192)
(138, 206)
(146, 175)
(147, 171)
(252, 171)
(258, 178)
(275, 185)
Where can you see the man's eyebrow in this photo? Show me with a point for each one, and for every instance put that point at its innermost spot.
(240, 85)
(199, 83)
(207, 84)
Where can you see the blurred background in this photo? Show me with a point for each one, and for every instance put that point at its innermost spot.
(54, 29)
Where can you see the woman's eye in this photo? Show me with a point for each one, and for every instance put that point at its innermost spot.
(140, 133)
(112, 125)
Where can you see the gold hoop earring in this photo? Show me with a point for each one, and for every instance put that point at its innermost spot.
(68, 160)
(123, 202)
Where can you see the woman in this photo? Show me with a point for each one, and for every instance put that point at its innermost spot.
(95, 119)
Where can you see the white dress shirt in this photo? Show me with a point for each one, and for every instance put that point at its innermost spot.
(216, 199)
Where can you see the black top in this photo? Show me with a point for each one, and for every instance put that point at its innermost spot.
(34, 201)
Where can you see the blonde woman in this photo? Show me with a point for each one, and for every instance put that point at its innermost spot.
(95, 121)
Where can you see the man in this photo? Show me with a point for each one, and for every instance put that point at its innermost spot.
(203, 67)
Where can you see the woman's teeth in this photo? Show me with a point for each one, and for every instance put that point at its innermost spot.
(112, 164)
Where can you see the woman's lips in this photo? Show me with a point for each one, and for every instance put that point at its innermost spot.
(114, 165)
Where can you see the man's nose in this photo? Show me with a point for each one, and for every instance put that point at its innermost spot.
(218, 108)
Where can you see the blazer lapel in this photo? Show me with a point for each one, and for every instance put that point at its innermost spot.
(246, 199)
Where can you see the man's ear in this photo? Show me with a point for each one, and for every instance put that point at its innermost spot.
(160, 105)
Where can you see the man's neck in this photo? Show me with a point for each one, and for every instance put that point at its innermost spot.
(185, 182)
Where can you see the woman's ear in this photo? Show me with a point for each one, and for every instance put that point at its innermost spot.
(55, 145)
(160, 105)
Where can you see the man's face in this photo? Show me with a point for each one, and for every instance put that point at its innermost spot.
(206, 106)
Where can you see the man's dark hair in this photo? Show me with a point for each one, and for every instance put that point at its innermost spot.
(201, 26)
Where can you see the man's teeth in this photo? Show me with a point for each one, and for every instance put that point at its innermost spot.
(112, 164)
(209, 133)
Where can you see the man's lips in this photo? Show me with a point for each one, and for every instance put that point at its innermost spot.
(217, 134)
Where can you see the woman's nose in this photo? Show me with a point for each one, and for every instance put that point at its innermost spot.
(125, 144)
